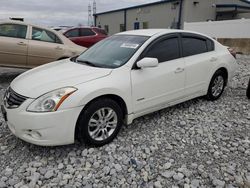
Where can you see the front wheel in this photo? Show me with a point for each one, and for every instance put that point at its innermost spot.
(100, 123)
(216, 86)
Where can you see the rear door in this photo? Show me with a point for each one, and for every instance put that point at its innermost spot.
(88, 37)
(73, 35)
(199, 57)
(44, 47)
(13, 44)
(82, 36)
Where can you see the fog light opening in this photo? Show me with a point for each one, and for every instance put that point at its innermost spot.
(33, 134)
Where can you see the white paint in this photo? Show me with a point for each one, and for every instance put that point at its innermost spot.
(222, 29)
(142, 90)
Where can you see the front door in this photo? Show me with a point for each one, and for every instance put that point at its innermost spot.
(158, 86)
(13, 45)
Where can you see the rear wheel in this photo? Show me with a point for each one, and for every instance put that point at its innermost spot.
(100, 122)
(217, 85)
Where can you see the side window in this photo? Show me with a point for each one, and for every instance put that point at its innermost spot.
(13, 30)
(193, 46)
(44, 35)
(72, 33)
(210, 45)
(102, 31)
(86, 32)
(164, 50)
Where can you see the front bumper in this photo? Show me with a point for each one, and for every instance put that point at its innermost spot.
(45, 129)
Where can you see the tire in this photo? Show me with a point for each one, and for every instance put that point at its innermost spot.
(248, 90)
(94, 126)
(217, 85)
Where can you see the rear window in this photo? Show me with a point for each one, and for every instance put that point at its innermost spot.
(102, 31)
(44, 35)
(210, 45)
(72, 33)
(86, 32)
(193, 46)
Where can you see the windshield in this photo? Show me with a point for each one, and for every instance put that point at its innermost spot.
(112, 52)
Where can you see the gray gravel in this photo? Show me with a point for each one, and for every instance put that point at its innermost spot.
(194, 144)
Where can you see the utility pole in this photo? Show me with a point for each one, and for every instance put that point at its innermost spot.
(180, 15)
(94, 12)
(94, 7)
(89, 15)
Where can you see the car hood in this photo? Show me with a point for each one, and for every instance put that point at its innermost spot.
(46, 78)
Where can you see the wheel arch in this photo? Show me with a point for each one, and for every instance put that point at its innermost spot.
(222, 68)
(225, 71)
(119, 100)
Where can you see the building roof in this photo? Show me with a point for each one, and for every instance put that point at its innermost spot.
(245, 1)
(233, 8)
(137, 6)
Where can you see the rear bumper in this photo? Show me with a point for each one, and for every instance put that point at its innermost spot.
(45, 129)
(232, 72)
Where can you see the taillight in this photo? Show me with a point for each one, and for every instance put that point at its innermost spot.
(232, 52)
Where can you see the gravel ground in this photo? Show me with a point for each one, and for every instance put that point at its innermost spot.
(194, 144)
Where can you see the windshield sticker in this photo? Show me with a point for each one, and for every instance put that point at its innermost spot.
(129, 45)
(118, 63)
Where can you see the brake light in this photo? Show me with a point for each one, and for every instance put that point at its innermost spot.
(232, 52)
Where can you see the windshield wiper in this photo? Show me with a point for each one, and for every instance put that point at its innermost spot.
(74, 58)
(87, 63)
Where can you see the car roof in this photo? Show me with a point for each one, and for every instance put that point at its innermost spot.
(84, 27)
(152, 32)
(25, 23)
(62, 37)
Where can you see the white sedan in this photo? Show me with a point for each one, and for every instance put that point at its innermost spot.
(123, 77)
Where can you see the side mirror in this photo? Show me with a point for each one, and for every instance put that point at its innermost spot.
(147, 62)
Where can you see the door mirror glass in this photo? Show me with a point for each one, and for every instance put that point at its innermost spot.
(147, 62)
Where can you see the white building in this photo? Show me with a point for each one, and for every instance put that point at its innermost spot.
(171, 14)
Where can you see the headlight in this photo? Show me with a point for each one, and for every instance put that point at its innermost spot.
(51, 101)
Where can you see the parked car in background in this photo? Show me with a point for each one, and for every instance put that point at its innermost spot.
(61, 29)
(85, 36)
(117, 80)
(27, 45)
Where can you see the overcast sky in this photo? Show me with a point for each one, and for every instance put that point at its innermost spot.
(59, 12)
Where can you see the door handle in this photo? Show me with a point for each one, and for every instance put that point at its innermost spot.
(21, 44)
(58, 48)
(179, 70)
(213, 59)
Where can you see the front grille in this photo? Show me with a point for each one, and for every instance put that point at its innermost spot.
(13, 99)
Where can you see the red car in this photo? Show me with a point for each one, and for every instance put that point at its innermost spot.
(85, 36)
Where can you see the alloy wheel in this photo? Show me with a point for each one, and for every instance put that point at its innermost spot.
(102, 124)
(218, 86)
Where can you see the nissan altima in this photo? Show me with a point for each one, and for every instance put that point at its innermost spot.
(123, 77)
